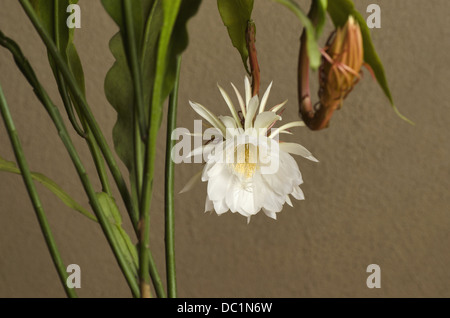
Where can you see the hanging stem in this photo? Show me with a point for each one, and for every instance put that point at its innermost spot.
(34, 196)
(315, 119)
(169, 189)
(252, 56)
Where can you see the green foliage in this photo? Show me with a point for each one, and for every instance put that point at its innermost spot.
(149, 21)
(126, 247)
(9, 166)
(311, 32)
(235, 16)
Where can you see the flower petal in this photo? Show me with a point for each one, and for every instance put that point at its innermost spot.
(210, 117)
(209, 205)
(276, 108)
(252, 107)
(230, 105)
(241, 101)
(298, 193)
(218, 186)
(262, 106)
(192, 181)
(228, 121)
(276, 131)
(248, 91)
(265, 119)
(297, 149)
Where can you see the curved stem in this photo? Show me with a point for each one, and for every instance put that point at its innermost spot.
(169, 189)
(34, 196)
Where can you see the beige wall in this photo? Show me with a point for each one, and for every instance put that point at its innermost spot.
(380, 193)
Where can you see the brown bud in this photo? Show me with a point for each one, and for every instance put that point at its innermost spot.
(342, 60)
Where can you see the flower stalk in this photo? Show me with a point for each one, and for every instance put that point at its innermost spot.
(169, 190)
(34, 196)
(252, 56)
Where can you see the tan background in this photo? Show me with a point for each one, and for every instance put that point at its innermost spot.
(380, 193)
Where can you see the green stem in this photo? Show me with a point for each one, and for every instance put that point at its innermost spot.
(169, 189)
(53, 111)
(79, 98)
(61, 86)
(150, 147)
(98, 161)
(134, 65)
(27, 178)
(85, 110)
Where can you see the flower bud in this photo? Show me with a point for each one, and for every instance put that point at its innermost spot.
(341, 64)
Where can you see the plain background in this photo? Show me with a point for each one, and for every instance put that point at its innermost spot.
(380, 194)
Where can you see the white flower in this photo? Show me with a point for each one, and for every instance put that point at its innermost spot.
(247, 169)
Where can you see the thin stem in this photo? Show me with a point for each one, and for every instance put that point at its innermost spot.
(169, 189)
(34, 196)
(98, 161)
(85, 110)
(134, 63)
(85, 131)
(79, 98)
(53, 111)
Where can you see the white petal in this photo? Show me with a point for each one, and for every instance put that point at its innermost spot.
(265, 119)
(278, 107)
(228, 121)
(210, 117)
(230, 106)
(270, 214)
(297, 149)
(288, 200)
(252, 107)
(287, 176)
(218, 185)
(239, 198)
(204, 151)
(298, 193)
(209, 205)
(192, 181)
(262, 106)
(241, 101)
(220, 207)
(276, 131)
(248, 91)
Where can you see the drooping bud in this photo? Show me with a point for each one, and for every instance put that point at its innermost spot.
(342, 60)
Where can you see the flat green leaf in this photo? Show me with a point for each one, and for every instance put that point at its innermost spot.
(312, 46)
(178, 42)
(53, 16)
(118, 82)
(9, 166)
(111, 211)
(339, 10)
(235, 16)
(321, 16)
(119, 89)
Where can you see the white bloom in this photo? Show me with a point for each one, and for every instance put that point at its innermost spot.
(249, 170)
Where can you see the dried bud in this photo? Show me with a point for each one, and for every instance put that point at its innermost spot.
(341, 64)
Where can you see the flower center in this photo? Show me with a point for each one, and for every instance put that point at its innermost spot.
(246, 160)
